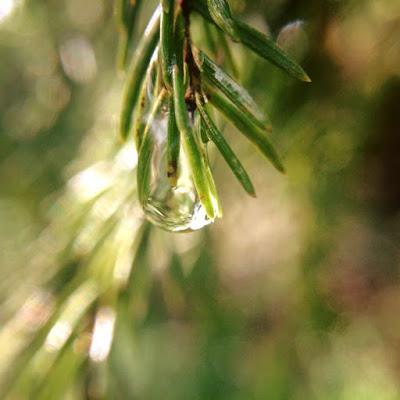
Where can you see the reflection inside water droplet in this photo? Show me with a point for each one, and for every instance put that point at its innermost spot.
(173, 208)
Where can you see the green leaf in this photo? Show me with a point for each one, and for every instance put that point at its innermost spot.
(173, 145)
(145, 153)
(120, 7)
(137, 72)
(144, 168)
(139, 123)
(167, 5)
(167, 40)
(126, 13)
(268, 49)
(179, 39)
(213, 187)
(225, 150)
(201, 127)
(217, 77)
(259, 43)
(246, 126)
(222, 16)
(65, 370)
(202, 8)
(191, 147)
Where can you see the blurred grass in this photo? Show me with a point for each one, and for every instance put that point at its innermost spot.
(293, 295)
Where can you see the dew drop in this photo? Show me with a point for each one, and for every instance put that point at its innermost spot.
(173, 207)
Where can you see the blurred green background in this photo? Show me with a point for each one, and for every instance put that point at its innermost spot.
(293, 295)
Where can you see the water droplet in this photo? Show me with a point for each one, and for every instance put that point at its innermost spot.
(172, 204)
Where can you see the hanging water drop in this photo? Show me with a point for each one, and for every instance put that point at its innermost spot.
(166, 190)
